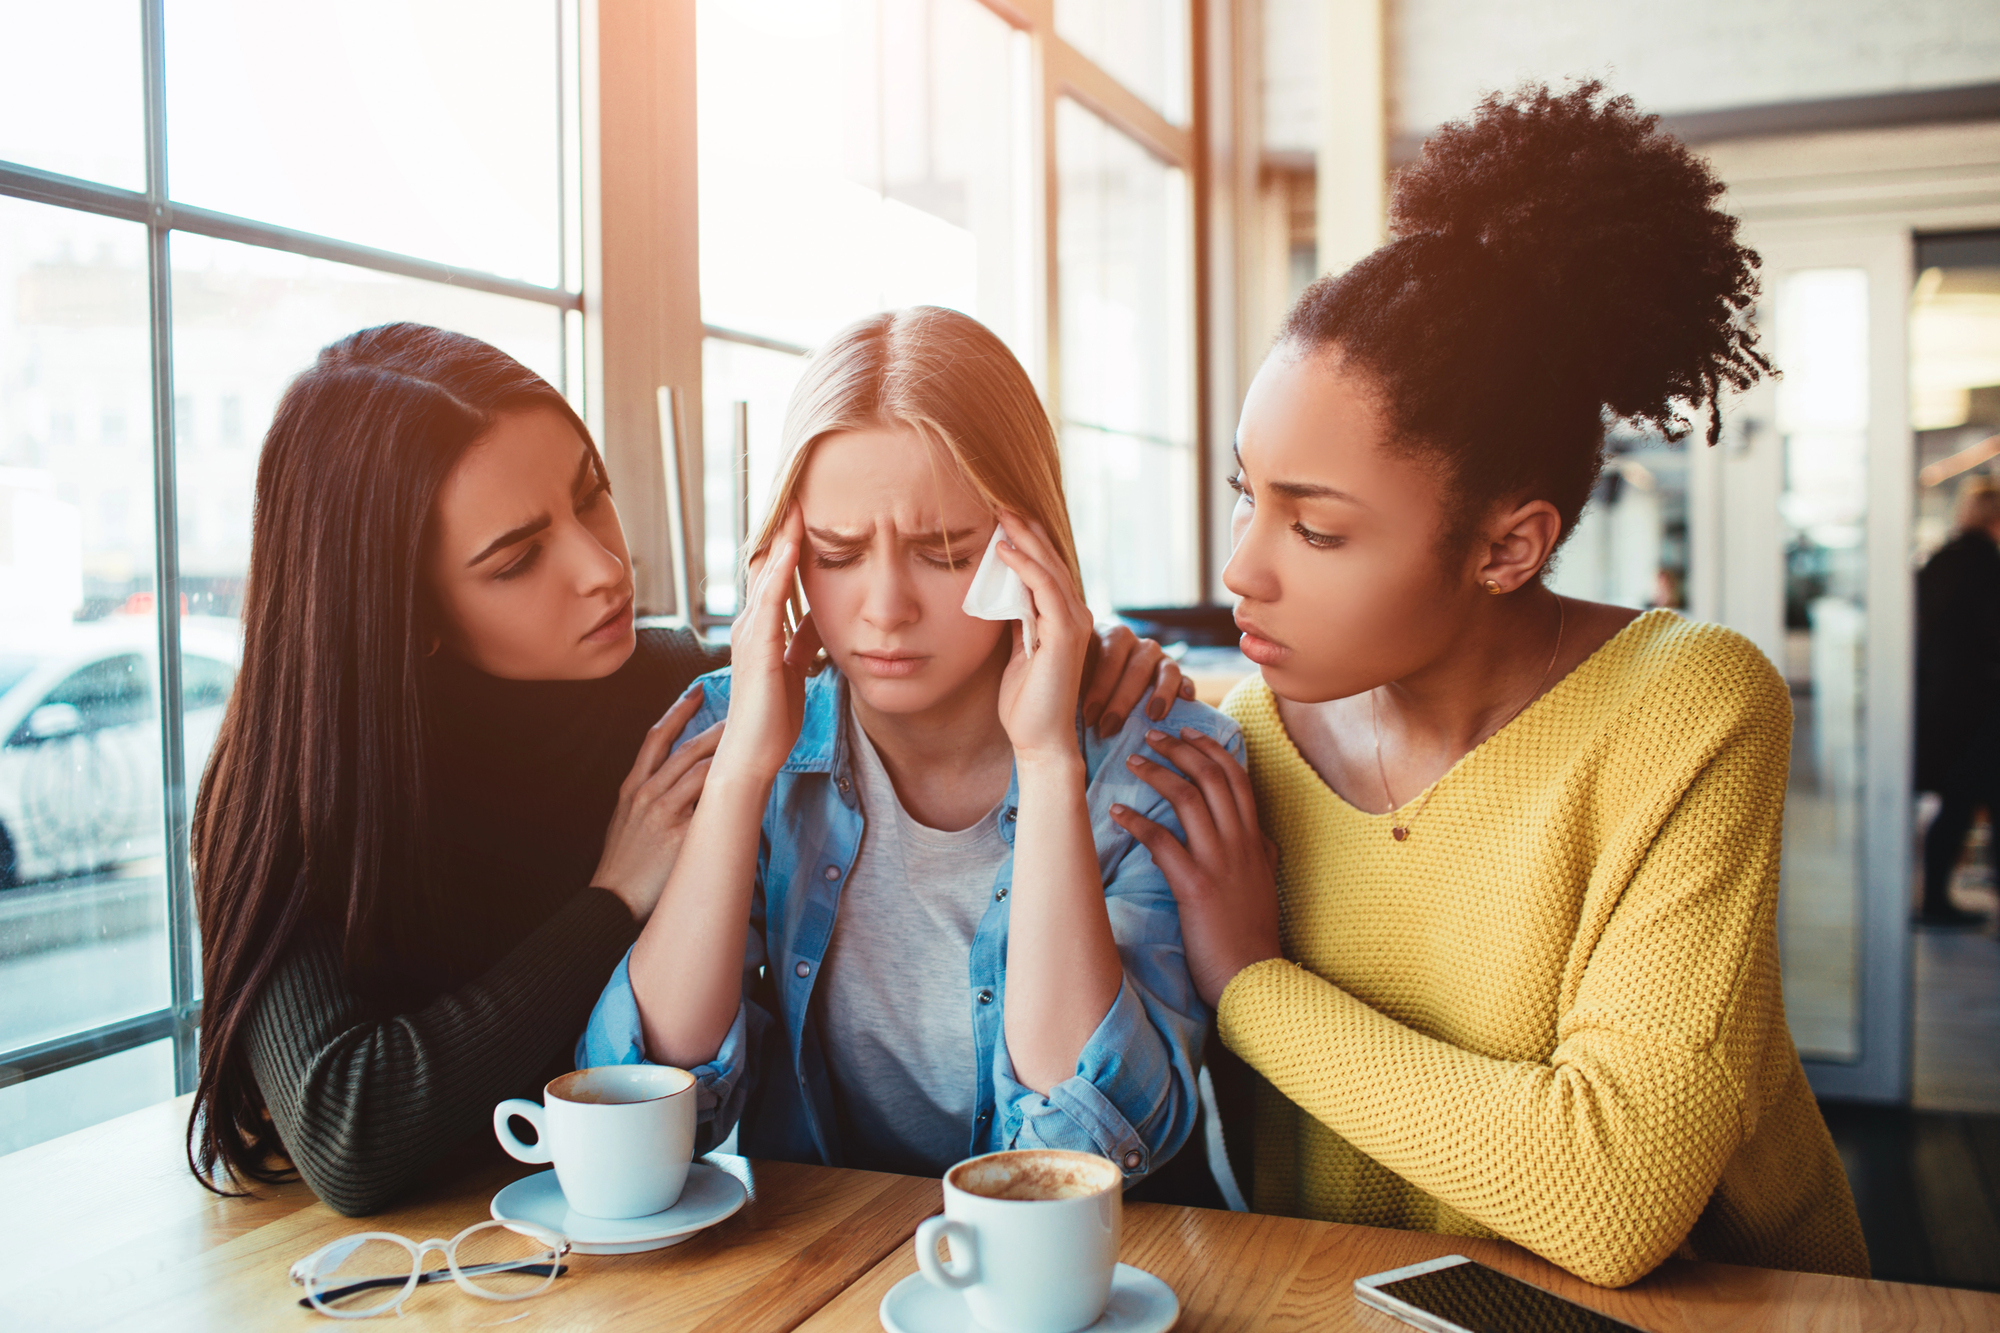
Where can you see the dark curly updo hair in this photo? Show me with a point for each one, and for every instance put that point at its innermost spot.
(1557, 263)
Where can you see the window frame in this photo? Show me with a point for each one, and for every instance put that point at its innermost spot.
(628, 294)
(672, 273)
(162, 216)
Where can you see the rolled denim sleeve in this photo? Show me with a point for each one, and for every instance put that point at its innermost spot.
(614, 1037)
(1134, 1097)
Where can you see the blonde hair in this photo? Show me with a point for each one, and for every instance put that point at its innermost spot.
(947, 377)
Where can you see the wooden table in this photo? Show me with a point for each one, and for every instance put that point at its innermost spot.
(106, 1229)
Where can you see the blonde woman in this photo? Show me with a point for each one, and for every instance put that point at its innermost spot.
(904, 928)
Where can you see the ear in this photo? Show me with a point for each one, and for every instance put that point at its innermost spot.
(1516, 546)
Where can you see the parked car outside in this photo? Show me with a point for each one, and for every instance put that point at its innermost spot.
(80, 774)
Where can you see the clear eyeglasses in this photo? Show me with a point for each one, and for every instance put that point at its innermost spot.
(373, 1272)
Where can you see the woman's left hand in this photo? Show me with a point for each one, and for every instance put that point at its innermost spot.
(1225, 877)
(1038, 695)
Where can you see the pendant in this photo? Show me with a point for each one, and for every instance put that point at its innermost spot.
(1399, 832)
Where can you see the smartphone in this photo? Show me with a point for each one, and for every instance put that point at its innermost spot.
(1456, 1295)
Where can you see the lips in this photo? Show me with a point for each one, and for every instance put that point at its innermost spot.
(614, 623)
(889, 665)
(1259, 649)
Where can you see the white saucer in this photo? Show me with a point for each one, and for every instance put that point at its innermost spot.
(710, 1195)
(1140, 1303)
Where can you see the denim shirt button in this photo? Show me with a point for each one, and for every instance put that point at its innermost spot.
(804, 969)
(986, 997)
(831, 872)
(1000, 894)
(841, 783)
(1010, 814)
(1132, 1160)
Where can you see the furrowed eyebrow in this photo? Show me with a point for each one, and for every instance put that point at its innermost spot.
(509, 538)
(1299, 490)
(534, 525)
(835, 537)
(1307, 490)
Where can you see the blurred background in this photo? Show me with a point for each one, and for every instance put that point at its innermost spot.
(688, 195)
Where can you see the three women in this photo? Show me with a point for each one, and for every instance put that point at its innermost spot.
(1509, 967)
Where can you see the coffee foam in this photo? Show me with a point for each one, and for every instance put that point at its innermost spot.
(1036, 1175)
(609, 1096)
(620, 1085)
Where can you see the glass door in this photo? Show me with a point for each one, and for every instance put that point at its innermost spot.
(1800, 525)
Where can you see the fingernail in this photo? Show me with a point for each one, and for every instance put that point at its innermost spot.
(1117, 809)
(1156, 709)
(1156, 735)
(1113, 723)
(1134, 761)
(1188, 733)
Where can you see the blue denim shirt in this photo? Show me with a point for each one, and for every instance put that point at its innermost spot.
(1133, 1097)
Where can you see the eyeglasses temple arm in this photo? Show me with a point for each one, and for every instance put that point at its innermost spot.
(430, 1275)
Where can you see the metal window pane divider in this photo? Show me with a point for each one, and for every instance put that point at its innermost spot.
(181, 965)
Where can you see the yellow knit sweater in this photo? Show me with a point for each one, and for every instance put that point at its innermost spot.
(1553, 1013)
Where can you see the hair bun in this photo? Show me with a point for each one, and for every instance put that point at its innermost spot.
(1581, 209)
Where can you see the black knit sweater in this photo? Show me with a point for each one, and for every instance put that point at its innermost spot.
(371, 1091)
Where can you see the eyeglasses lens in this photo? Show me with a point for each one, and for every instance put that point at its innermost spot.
(365, 1277)
(506, 1264)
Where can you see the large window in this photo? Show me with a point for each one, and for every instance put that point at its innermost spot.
(858, 155)
(195, 197)
(158, 289)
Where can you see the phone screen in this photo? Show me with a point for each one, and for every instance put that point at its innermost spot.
(1485, 1300)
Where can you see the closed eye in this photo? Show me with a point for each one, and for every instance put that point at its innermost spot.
(521, 565)
(1324, 541)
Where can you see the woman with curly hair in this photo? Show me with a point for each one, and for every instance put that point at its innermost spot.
(1510, 968)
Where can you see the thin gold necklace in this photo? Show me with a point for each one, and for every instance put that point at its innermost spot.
(1402, 830)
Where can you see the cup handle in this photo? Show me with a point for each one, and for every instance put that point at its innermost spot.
(536, 1153)
(961, 1272)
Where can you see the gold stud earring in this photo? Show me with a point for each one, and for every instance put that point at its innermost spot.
(1493, 586)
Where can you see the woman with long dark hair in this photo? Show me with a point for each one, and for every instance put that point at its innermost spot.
(1514, 969)
(440, 805)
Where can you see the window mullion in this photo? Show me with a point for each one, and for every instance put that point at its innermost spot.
(181, 962)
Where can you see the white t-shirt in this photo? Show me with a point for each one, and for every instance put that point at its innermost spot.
(895, 993)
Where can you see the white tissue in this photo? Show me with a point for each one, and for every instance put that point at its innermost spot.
(997, 593)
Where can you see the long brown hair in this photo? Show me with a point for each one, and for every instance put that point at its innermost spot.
(312, 806)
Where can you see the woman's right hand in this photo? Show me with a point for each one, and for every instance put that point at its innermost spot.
(1225, 876)
(767, 675)
(655, 805)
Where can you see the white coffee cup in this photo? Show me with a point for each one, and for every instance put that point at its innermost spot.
(1033, 1236)
(620, 1136)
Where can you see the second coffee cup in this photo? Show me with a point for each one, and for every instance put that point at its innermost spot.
(620, 1136)
(1033, 1236)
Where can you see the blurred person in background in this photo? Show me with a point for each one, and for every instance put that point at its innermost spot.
(1958, 694)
